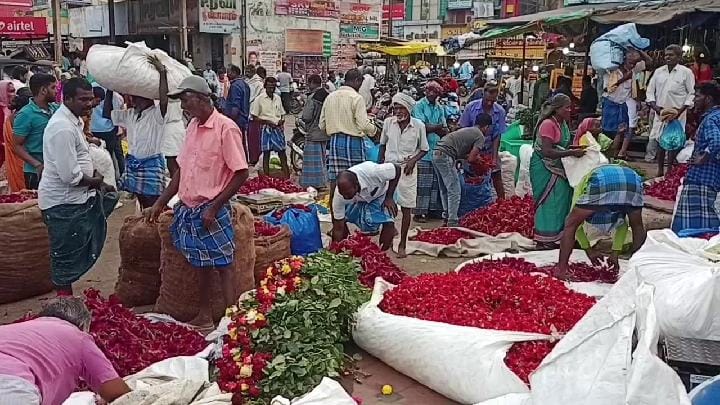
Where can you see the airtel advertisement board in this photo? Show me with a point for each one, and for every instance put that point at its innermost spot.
(23, 28)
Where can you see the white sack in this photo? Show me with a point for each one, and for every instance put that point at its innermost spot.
(576, 168)
(508, 166)
(328, 392)
(103, 163)
(465, 364)
(523, 186)
(478, 244)
(686, 153)
(127, 70)
(687, 285)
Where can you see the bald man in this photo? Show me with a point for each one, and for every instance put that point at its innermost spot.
(364, 197)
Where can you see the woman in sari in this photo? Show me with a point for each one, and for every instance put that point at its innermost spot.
(9, 105)
(551, 190)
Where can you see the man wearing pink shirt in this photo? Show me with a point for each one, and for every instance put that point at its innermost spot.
(41, 360)
(212, 169)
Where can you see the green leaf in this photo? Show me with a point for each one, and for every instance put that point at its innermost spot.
(287, 334)
(314, 280)
(335, 303)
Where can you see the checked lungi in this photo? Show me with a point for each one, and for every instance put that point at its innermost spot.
(144, 176)
(612, 191)
(203, 247)
(314, 168)
(428, 190)
(77, 235)
(273, 139)
(345, 152)
(614, 114)
(697, 208)
(368, 216)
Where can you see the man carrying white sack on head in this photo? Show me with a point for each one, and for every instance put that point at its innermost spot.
(404, 142)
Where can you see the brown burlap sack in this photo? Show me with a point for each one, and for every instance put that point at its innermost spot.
(179, 281)
(139, 273)
(24, 252)
(269, 249)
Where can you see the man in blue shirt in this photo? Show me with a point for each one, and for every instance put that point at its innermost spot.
(696, 207)
(487, 105)
(238, 102)
(103, 128)
(29, 126)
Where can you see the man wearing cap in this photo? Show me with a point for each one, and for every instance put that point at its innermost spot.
(404, 142)
(144, 125)
(212, 168)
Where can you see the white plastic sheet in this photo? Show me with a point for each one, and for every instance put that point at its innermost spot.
(523, 186)
(478, 244)
(577, 168)
(508, 166)
(328, 392)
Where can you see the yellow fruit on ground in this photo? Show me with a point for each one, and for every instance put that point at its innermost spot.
(387, 389)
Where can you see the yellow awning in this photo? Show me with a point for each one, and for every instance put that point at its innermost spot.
(410, 48)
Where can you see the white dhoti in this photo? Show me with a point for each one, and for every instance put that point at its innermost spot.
(406, 192)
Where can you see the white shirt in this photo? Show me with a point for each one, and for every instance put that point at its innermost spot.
(401, 145)
(373, 179)
(266, 108)
(620, 93)
(330, 86)
(144, 131)
(66, 157)
(174, 130)
(366, 90)
(672, 89)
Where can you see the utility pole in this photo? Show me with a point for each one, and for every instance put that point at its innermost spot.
(57, 30)
(243, 33)
(111, 22)
(184, 51)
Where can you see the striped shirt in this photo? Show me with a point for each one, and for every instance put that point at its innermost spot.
(344, 113)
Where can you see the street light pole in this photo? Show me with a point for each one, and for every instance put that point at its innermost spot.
(57, 31)
(111, 22)
(184, 51)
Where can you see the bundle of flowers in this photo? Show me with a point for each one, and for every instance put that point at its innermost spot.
(514, 214)
(261, 182)
(289, 333)
(667, 188)
(506, 299)
(262, 228)
(278, 213)
(131, 342)
(483, 167)
(441, 236)
(18, 197)
(374, 262)
(577, 271)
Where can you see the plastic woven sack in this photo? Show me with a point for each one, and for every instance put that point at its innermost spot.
(305, 228)
(372, 151)
(607, 52)
(139, 273)
(474, 196)
(673, 136)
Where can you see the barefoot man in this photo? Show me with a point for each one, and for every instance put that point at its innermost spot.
(212, 169)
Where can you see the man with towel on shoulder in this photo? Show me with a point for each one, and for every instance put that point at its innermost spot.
(404, 142)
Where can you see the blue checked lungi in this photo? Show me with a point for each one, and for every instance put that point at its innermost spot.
(428, 189)
(144, 176)
(614, 114)
(314, 169)
(368, 216)
(200, 246)
(345, 152)
(272, 139)
(697, 208)
(613, 191)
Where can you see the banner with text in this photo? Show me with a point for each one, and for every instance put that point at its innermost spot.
(23, 27)
(304, 42)
(219, 16)
(306, 8)
(360, 20)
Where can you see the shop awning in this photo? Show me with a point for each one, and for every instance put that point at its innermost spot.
(560, 15)
(540, 21)
(651, 13)
(410, 48)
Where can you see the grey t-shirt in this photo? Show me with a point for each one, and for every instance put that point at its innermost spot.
(284, 80)
(458, 144)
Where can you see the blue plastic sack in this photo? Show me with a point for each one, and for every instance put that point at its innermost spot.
(695, 233)
(673, 136)
(474, 196)
(372, 151)
(707, 393)
(607, 52)
(305, 228)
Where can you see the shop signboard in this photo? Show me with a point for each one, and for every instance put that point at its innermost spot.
(270, 61)
(23, 27)
(219, 16)
(359, 13)
(306, 8)
(512, 48)
(453, 30)
(304, 42)
(360, 31)
(343, 57)
(394, 11)
(459, 4)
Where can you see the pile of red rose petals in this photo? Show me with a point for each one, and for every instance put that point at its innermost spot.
(441, 236)
(514, 214)
(18, 197)
(132, 342)
(262, 228)
(667, 188)
(374, 262)
(483, 167)
(504, 299)
(577, 271)
(278, 213)
(261, 182)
